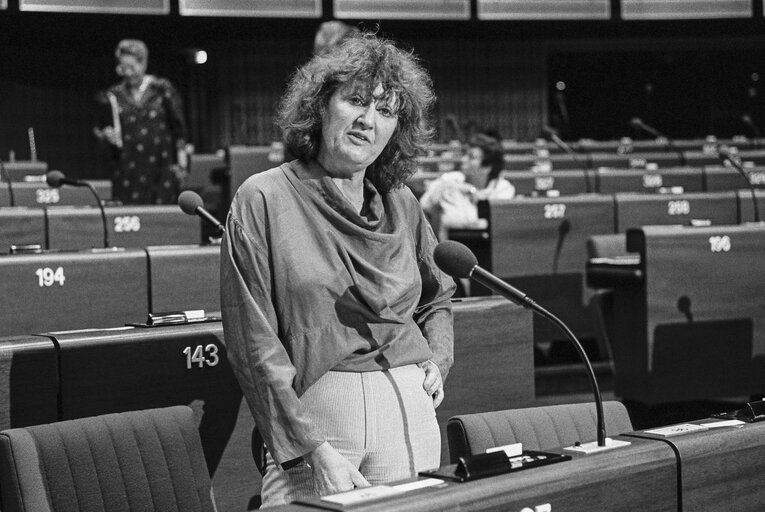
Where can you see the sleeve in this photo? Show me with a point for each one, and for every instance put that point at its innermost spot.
(174, 106)
(434, 311)
(257, 356)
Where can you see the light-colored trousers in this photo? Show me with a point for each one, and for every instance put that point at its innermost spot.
(383, 422)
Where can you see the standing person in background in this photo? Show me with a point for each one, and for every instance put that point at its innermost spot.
(338, 323)
(143, 125)
(331, 34)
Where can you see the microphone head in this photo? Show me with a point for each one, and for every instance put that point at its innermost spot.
(636, 122)
(746, 119)
(189, 201)
(55, 178)
(454, 259)
(723, 152)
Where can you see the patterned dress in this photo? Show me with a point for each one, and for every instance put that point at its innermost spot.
(150, 128)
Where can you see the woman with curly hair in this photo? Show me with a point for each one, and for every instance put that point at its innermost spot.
(337, 322)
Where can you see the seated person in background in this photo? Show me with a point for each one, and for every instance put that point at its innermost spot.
(450, 201)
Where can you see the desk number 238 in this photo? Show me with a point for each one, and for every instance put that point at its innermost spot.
(201, 355)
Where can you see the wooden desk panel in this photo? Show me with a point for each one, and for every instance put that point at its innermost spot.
(721, 469)
(28, 381)
(724, 178)
(40, 194)
(75, 228)
(19, 169)
(746, 205)
(540, 246)
(21, 226)
(635, 210)
(696, 325)
(640, 477)
(663, 157)
(568, 182)
(142, 368)
(493, 360)
(59, 291)
(184, 277)
(611, 181)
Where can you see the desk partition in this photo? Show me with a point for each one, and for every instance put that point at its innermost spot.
(688, 179)
(75, 228)
(28, 381)
(40, 194)
(184, 277)
(20, 169)
(635, 210)
(642, 476)
(539, 245)
(71, 290)
(140, 368)
(720, 468)
(694, 329)
(746, 204)
(21, 226)
(569, 182)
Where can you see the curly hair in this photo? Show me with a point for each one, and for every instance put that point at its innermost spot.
(366, 60)
(134, 47)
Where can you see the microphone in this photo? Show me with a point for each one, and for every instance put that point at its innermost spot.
(456, 260)
(726, 156)
(638, 124)
(747, 120)
(7, 175)
(565, 147)
(56, 179)
(192, 204)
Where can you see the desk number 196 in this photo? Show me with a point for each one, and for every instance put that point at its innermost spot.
(201, 355)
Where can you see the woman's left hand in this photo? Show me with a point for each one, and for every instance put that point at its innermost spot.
(433, 383)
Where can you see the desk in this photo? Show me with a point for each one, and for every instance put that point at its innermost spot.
(28, 381)
(40, 194)
(636, 160)
(640, 477)
(493, 360)
(21, 226)
(725, 178)
(565, 182)
(694, 329)
(74, 228)
(20, 168)
(184, 277)
(746, 206)
(610, 181)
(244, 161)
(539, 245)
(635, 210)
(72, 290)
(140, 368)
(722, 468)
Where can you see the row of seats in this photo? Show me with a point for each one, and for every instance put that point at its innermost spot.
(75, 228)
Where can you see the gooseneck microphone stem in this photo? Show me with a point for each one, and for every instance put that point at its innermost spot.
(191, 204)
(211, 219)
(7, 175)
(640, 125)
(726, 156)
(565, 147)
(511, 293)
(103, 212)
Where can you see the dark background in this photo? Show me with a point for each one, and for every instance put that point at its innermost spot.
(687, 78)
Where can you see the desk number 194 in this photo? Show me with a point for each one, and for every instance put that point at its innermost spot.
(47, 277)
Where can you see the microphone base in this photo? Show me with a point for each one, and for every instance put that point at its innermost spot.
(591, 448)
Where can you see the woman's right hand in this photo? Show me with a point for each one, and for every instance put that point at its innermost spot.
(333, 473)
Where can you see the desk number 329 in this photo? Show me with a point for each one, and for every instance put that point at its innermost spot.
(201, 356)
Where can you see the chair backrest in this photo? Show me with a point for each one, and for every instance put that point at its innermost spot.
(148, 460)
(538, 428)
(607, 246)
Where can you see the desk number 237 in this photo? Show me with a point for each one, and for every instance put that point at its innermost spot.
(201, 355)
